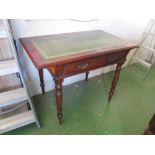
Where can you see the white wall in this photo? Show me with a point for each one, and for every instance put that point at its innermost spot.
(128, 29)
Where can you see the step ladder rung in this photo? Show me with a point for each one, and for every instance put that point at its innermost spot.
(148, 48)
(146, 64)
(15, 96)
(153, 34)
(16, 121)
(8, 67)
(12, 97)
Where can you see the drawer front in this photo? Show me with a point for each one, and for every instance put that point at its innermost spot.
(93, 63)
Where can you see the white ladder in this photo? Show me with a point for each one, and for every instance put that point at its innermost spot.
(146, 43)
(15, 96)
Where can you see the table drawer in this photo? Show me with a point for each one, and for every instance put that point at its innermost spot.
(93, 63)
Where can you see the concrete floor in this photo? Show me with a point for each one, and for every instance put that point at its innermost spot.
(87, 112)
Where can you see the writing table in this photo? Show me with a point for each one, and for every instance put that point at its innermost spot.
(69, 54)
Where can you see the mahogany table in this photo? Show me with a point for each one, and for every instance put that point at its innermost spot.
(69, 54)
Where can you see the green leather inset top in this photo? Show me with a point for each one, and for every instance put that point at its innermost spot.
(60, 45)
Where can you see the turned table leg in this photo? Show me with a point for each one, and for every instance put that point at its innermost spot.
(58, 93)
(87, 73)
(42, 85)
(115, 79)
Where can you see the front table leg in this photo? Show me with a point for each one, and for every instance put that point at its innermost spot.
(58, 93)
(115, 79)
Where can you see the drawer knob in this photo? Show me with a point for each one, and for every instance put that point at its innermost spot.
(82, 66)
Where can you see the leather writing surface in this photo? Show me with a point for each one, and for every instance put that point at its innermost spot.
(60, 45)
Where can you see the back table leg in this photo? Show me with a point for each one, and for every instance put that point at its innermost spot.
(42, 85)
(87, 73)
(115, 79)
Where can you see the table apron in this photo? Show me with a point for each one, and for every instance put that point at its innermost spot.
(93, 63)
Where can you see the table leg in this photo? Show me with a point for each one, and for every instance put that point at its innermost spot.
(42, 85)
(87, 73)
(58, 93)
(115, 79)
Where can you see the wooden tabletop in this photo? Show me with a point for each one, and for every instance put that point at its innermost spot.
(62, 48)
